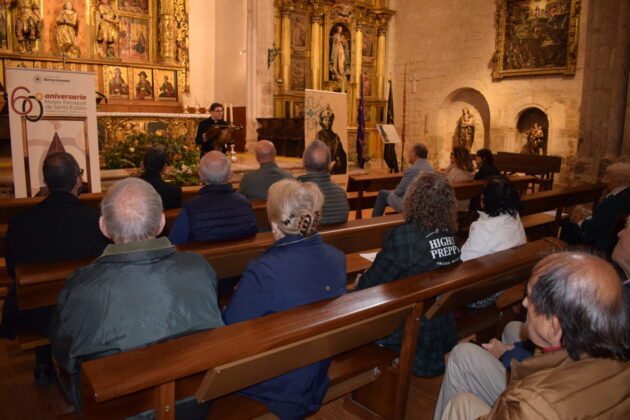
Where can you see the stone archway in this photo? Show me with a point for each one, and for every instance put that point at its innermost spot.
(527, 119)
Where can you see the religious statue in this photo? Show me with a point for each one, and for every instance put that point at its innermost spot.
(338, 156)
(143, 87)
(466, 129)
(535, 140)
(167, 90)
(27, 24)
(66, 31)
(338, 54)
(106, 29)
(117, 85)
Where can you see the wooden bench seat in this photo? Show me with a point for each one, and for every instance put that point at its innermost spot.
(157, 375)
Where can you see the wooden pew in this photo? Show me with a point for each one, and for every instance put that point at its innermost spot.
(544, 167)
(214, 364)
(39, 284)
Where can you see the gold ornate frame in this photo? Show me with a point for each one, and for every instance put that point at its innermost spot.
(510, 56)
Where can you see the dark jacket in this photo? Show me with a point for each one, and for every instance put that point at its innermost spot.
(407, 252)
(486, 171)
(170, 193)
(293, 272)
(135, 294)
(336, 205)
(217, 213)
(203, 126)
(255, 184)
(598, 230)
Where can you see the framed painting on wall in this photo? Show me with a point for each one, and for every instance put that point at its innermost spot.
(536, 37)
(165, 87)
(137, 6)
(134, 38)
(143, 84)
(116, 81)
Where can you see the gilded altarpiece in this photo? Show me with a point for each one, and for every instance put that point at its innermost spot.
(330, 45)
(137, 48)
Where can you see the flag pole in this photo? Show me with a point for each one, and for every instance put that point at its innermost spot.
(404, 118)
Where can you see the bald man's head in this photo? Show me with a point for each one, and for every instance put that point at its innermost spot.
(316, 157)
(265, 151)
(215, 168)
(584, 293)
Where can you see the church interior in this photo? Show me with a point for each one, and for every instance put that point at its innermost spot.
(547, 80)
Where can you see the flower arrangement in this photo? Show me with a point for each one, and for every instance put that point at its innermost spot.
(183, 155)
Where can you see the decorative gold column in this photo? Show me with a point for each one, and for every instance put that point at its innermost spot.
(358, 38)
(168, 32)
(380, 63)
(316, 51)
(286, 49)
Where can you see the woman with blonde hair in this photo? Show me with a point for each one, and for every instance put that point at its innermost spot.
(299, 268)
(425, 242)
(461, 170)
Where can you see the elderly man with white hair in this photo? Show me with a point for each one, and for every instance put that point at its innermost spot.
(597, 230)
(138, 292)
(255, 184)
(218, 212)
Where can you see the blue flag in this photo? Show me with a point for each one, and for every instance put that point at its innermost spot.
(361, 129)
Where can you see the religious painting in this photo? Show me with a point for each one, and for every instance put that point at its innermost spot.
(298, 31)
(536, 37)
(369, 36)
(326, 119)
(165, 88)
(4, 44)
(116, 80)
(137, 6)
(134, 39)
(143, 84)
(298, 73)
(339, 53)
(368, 81)
(298, 109)
(58, 134)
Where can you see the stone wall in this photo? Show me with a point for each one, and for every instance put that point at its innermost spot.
(448, 48)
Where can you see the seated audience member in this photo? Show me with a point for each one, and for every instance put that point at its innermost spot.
(425, 242)
(299, 268)
(597, 231)
(218, 212)
(255, 184)
(154, 164)
(417, 158)
(138, 292)
(316, 161)
(461, 170)
(576, 315)
(621, 256)
(498, 228)
(58, 228)
(485, 164)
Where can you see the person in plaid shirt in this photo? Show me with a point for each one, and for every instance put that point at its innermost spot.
(425, 242)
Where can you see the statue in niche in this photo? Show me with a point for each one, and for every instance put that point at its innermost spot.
(338, 156)
(27, 24)
(339, 53)
(466, 129)
(107, 27)
(535, 141)
(66, 31)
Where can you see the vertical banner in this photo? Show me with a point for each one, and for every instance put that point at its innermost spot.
(51, 111)
(326, 119)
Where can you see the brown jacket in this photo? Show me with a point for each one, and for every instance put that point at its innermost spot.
(554, 386)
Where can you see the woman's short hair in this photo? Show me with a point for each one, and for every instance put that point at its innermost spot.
(154, 159)
(295, 206)
(486, 156)
(462, 158)
(429, 203)
(131, 211)
(500, 197)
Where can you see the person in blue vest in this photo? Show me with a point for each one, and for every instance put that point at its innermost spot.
(218, 212)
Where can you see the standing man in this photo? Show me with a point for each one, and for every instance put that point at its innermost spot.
(417, 158)
(255, 184)
(216, 118)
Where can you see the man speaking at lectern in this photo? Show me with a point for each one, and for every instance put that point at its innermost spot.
(216, 118)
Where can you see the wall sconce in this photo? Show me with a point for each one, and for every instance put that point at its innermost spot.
(272, 53)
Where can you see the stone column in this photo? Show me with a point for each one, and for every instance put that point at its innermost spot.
(316, 51)
(358, 47)
(168, 32)
(380, 62)
(286, 49)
